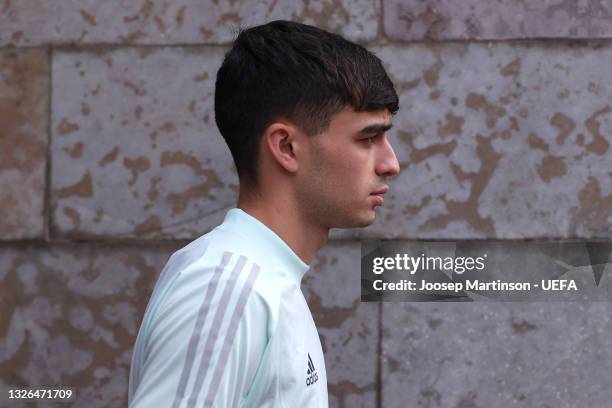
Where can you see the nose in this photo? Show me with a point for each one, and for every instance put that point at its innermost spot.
(387, 164)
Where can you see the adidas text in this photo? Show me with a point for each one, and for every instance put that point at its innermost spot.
(312, 379)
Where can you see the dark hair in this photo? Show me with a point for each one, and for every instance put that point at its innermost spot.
(289, 70)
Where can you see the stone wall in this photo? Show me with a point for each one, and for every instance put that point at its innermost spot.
(110, 160)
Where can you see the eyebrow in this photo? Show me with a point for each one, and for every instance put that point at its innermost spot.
(376, 128)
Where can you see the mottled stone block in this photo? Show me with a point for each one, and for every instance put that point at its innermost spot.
(70, 316)
(31, 22)
(348, 328)
(135, 148)
(503, 19)
(499, 141)
(24, 112)
(496, 355)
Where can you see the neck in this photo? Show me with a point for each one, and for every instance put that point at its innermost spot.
(284, 218)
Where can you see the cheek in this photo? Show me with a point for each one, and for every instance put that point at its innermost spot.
(349, 159)
(340, 168)
(353, 165)
(339, 175)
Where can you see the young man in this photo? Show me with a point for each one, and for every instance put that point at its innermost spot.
(304, 113)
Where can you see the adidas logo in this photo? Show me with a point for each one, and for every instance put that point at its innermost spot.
(311, 373)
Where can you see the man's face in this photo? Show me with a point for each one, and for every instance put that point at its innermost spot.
(344, 166)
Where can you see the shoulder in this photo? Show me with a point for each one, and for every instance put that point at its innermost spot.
(221, 272)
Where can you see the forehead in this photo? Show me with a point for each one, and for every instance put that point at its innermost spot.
(349, 120)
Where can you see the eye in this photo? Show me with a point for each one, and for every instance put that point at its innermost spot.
(370, 140)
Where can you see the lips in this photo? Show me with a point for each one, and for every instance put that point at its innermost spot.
(381, 191)
(378, 195)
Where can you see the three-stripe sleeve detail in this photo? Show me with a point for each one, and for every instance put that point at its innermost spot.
(197, 330)
(213, 333)
(229, 336)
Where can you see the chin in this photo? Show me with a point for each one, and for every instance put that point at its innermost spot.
(365, 220)
(346, 219)
(370, 220)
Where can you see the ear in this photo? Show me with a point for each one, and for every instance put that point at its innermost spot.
(281, 141)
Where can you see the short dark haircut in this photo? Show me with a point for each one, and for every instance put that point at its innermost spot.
(294, 71)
